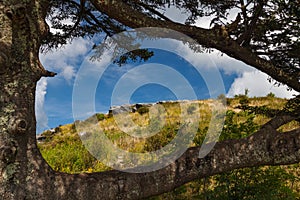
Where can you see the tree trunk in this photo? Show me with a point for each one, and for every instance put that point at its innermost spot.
(23, 171)
(25, 174)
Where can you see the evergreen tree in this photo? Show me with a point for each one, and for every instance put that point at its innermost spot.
(264, 35)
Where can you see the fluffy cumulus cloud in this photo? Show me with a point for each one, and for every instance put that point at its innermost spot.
(214, 59)
(248, 78)
(68, 72)
(258, 85)
(41, 117)
(63, 61)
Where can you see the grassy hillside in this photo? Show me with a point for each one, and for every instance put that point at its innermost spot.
(64, 151)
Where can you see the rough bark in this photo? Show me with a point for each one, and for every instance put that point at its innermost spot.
(22, 27)
(266, 147)
(25, 174)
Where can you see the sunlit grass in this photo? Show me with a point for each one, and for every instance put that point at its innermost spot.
(64, 150)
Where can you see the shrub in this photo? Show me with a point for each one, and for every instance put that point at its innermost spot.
(143, 110)
(271, 95)
(100, 116)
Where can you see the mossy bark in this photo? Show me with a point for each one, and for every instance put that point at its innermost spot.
(22, 27)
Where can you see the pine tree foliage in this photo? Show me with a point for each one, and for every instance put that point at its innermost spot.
(269, 29)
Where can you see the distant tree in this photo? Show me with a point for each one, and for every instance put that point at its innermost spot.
(271, 95)
(264, 35)
(246, 92)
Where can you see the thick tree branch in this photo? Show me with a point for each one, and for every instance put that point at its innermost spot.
(209, 38)
(262, 148)
(26, 175)
(280, 120)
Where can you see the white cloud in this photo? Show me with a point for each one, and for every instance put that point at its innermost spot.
(258, 85)
(64, 61)
(175, 14)
(41, 117)
(249, 77)
(181, 16)
(65, 22)
(222, 61)
(214, 59)
(68, 73)
(204, 22)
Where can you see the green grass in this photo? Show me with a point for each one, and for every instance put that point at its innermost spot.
(65, 152)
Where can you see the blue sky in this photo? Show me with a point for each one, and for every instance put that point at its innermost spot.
(165, 76)
(153, 92)
(57, 104)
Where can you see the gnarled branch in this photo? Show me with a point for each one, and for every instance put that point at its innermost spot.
(208, 38)
(256, 150)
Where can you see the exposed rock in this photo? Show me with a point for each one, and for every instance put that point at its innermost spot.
(114, 110)
(40, 138)
(120, 109)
